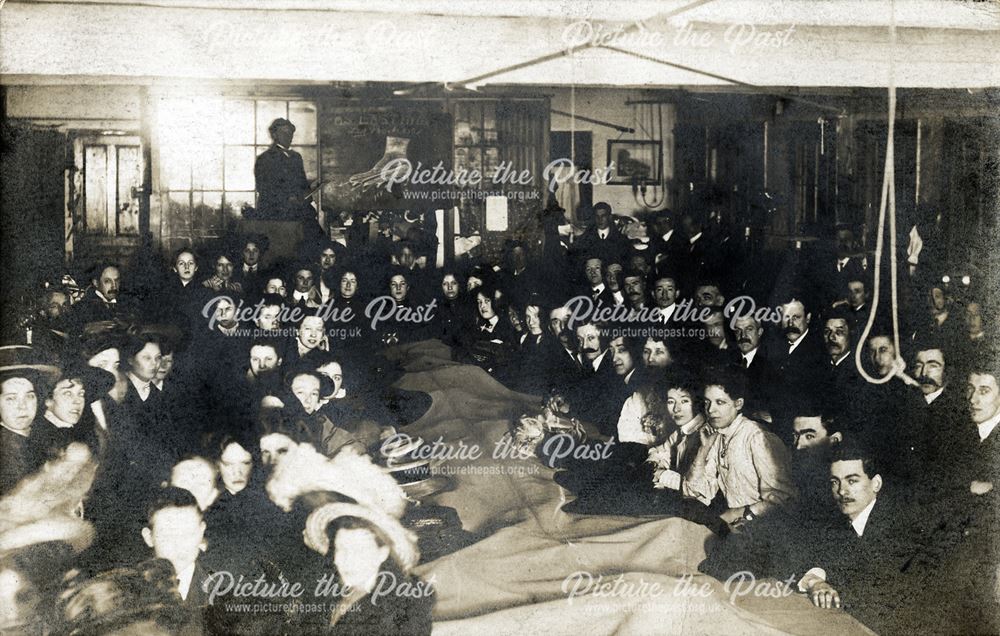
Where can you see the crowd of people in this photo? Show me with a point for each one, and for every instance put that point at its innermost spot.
(818, 442)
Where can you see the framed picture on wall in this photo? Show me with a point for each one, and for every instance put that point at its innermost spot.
(634, 161)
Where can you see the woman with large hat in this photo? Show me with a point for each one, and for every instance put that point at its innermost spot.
(22, 378)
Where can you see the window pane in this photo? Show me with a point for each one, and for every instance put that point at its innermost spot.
(175, 168)
(239, 167)
(206, 216)
(266, 113)
(308, 160)
(303, 115)
(236, 201)
(177, 220)
(238, 127)
(206, 167)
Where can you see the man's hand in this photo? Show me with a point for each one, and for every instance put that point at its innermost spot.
(99, 327)
(732, 515)
(823, 595)
(980, 487)
(665, 478)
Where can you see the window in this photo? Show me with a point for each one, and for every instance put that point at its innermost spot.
(207, 151)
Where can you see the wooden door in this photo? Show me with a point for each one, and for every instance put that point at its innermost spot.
(107, 219)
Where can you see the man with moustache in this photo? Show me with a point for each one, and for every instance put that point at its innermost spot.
(595, 289)
(843, 377)
(943, 409)
(613, 281)
(104, 308)
(748, 353)
(634, 286)
(665, 296)
(562, 366)
(861, 562)
(967, 579)
(796, 357)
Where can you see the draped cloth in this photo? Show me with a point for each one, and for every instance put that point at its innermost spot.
(514, 580)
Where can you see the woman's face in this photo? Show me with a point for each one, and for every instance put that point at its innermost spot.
(273, 447)
(485, 306)
(275, 286)
(235, 465)
(358, 557)
(333, 371)
(449, 286)
(306, 389)
(681, 406)
(348, 285)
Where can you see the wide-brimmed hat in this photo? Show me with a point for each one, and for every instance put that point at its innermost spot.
(22, 361)
(96, 382)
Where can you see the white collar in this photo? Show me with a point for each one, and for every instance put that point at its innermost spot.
(596, 362)
(694, 238)
(57, 421)
(666, 237)
(985, 428)
(597, 289)
(841, 359)
(112, 301)
(930, 397)
(859, 522)
(140, 385)
(696, 423)
(26, 433)
(750, 356)
(628, 376)
(795, 344)
(604, 233)
(184, 578)
(157, 384)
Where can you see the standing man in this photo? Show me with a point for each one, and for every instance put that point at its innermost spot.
(281, 183)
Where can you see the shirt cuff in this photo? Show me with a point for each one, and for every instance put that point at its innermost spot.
(811, 578)
(670, 479)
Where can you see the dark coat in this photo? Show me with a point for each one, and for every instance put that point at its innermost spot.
(280, 174)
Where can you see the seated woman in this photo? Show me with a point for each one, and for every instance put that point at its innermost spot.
(373, 556)
(348, 410)
(635, 478)
(491, 340)
(304, 387)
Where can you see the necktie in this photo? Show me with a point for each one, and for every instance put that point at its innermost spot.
(746, 362)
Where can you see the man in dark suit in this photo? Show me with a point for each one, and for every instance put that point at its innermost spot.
(602, 240)
(104, 308)
(175, 531)
(595, 289)
(280, 176)
(842, 378)
(861, 562)
(559, 351)
(834, 268)
(748, 353)
(797, 358)
(665, 243)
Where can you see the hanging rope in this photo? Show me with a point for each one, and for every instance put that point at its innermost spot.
(888, 203)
